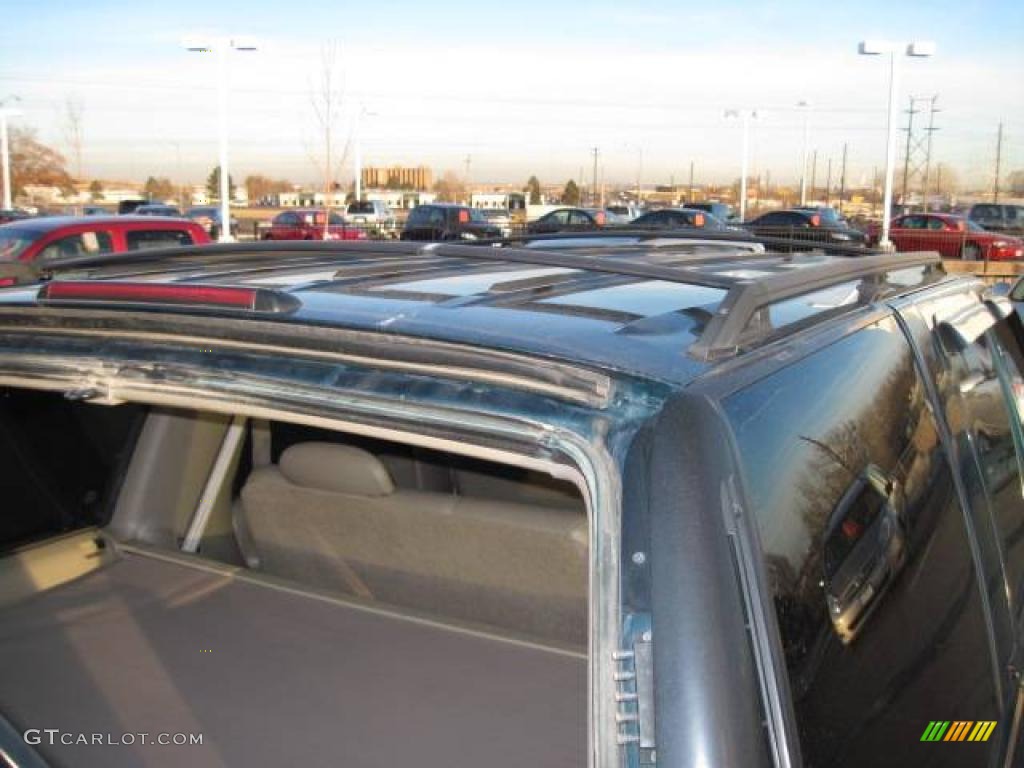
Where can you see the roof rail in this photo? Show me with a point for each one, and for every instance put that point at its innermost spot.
(723, 332)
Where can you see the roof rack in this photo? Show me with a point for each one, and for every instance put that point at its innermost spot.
(779, 277)
(746, 297)
(785, 244)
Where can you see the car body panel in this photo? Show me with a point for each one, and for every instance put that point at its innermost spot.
(448, 221)
(108, 233)
(309, 224)
(955, 237)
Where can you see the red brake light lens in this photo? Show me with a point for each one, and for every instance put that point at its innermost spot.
(815, 220)
(698, 220)
(463, 217)
(190, 295)
(600, 218)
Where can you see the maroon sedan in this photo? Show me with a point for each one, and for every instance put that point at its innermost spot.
(311, 224)
(59, 237)
(954, 237)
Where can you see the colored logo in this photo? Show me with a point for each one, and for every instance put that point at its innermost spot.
(958, 730)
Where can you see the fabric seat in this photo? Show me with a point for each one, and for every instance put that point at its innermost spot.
(330, 516)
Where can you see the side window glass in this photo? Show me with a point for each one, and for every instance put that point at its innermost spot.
(1007, 468)
(878, 605)
(984, 413)
(144, 239)
(82, 244)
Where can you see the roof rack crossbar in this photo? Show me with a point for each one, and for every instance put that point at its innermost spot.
(722, 335)
(557, 259)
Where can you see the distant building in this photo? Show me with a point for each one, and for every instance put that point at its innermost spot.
(502, 201)
(396, 198)
(334, 200)
(397, 177)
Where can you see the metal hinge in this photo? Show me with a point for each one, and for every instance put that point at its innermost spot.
(634, 695)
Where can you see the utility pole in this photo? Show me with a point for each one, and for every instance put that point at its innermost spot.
(999, 158)
(593, 184)
(814, 172)
(690, 198)
(874, 185)
(639, 171)
(469, 162)
(842, 180)
(828, 184)
(928, 150)
(906, 157)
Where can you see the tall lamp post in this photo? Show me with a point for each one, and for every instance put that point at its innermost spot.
(221, 47)
(806, 107)
(745, 116)
(895, 51)
(5, 152)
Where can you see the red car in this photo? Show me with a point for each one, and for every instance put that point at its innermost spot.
(308, 224)
(954, 237)
(60, 237)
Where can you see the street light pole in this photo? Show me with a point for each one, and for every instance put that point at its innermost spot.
(222, 129)
(745, 116)
(5, 151)
(222, 47)
(895, 50)
(806, 107)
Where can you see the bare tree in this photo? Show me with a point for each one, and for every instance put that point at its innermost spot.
(72, 124)
(327, 99)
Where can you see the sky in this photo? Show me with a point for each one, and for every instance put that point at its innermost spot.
(518, 88)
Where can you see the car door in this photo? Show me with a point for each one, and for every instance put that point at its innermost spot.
(90, 242)
(898, 232)
(974, 359)
(277, 225)
(658, 220)
(1014, 219)
(556, 221)
(908, 233)
(988, 215)
(875, 665)
(782, 224)
(942, 236)
(581, 221)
